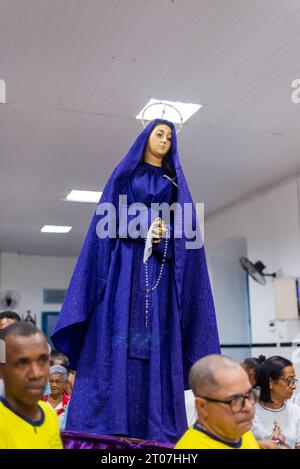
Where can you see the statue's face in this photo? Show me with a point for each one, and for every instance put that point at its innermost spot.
(160, 139)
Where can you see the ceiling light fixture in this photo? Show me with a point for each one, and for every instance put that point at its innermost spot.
(56, 229)
(84, 196)
(173, 111)
(2, 92)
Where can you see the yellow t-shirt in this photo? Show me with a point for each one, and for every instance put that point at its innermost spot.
(20, 433)
(196, 438)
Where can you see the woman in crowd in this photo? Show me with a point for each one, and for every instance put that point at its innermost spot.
(57, 398)
(252, 367)
(277, 419)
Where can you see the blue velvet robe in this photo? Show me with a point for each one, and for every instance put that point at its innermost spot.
(131, 377)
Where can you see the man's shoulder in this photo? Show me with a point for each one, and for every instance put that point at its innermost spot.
(194, 439)
(199, 439)
(2, 411)
(3, 408)
(47, 409)
(248, 441)
(188, 439)
(7, 418)
(6, 411)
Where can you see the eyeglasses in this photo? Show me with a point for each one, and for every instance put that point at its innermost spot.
(290, 381)
(237, 403)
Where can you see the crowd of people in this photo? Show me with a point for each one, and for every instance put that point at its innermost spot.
(35, 384)
(247, 406)
(227, 414)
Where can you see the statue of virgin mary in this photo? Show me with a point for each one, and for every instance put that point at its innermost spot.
(139, 309)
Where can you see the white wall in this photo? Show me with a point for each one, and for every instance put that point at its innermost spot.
(270, 223)
(228, 277)
(30, 275)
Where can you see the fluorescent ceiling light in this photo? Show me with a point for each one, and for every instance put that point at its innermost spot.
(84, 196)
(56, 229)
(168, 112)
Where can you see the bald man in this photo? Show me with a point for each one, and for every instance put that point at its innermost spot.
(225, 403)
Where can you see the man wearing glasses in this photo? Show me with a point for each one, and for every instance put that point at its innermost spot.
(225, 403)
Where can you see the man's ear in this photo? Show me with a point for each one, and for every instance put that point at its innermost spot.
(201, 407)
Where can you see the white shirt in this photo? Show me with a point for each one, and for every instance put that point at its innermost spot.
(60, 416)
(190, 408)
(297, 399)
(281, 425)
(1, 388)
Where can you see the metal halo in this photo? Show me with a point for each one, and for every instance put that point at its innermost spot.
(163, 113)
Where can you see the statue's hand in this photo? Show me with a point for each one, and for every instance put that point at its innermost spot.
(158, 230)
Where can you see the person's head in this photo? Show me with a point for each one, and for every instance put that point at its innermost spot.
(276, 380)
(7, 318)
(57, 380)
(159, 142)
(252, 367)
(224, 397)
(59, 359)
(26, 370)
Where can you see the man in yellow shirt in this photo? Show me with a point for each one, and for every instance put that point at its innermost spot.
(225, 403)
(25, 421)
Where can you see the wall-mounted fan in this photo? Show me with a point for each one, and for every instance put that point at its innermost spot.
(256, 270)
(9, 299)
